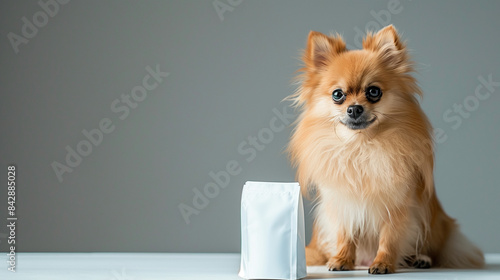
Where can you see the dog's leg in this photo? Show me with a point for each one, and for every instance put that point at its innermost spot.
(390, 237)
(346, 253)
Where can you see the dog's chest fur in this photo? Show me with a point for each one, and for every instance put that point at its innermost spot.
(368, 182)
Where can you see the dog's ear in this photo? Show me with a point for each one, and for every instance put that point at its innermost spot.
(320, 49)
(388, 45)
(387, 37)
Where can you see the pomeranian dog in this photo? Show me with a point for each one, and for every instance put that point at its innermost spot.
(364, 146)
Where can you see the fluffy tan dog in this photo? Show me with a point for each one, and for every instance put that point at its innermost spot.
(364, 145)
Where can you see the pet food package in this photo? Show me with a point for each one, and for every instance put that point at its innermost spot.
(272, 231)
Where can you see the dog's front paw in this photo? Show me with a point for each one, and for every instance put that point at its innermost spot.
(381, 268)
(339, 264)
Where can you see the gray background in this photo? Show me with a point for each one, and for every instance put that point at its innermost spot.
(225, 79)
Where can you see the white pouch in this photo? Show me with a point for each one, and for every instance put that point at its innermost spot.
(272, 231)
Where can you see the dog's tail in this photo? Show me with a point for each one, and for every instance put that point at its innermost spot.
(450, 248)
(460, 252)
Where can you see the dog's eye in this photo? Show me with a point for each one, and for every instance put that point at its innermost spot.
(373, 93)
(338, 96)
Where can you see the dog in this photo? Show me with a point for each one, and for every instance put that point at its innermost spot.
(363, 145)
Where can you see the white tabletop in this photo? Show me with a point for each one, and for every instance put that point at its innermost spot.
(146, 266)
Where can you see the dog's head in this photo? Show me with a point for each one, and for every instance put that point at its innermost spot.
(357, 90)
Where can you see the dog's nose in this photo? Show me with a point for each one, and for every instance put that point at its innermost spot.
(354, 111)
